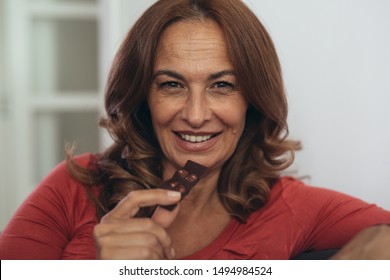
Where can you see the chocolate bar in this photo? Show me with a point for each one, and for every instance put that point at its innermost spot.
(183, 180)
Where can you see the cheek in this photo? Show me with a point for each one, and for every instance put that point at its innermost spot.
(159, 121)
(240, 125)
(162, 113)
(236, 115)
(155, 114)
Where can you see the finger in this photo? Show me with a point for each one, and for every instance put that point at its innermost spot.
(130, 205)
(126, 226)
(134, 229)
(131, 226)
(165, 217)
(135, 239)
(134, 253)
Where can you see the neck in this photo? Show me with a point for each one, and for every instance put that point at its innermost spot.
(200, 220)
(201, 217)
(204, 195)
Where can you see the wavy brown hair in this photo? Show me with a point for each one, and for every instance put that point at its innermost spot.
(134, 160)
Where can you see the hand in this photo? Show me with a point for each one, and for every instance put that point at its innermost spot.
(121, 236)
(370, 244)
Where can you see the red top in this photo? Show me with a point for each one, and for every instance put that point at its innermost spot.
(57, 219)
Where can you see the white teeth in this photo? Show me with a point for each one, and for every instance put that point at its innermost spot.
(194, 138)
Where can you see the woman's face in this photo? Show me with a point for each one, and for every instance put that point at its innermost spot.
(198, 111)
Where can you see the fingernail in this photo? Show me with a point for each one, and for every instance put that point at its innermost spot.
(173, 194)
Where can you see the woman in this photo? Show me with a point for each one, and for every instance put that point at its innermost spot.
(200, 81)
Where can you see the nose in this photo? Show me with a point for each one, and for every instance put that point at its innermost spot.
(196, 109)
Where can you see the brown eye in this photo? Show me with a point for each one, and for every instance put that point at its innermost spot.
(223, 84)
(169, 84)
(222, 88)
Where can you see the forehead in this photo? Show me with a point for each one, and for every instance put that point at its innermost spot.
(192, 40)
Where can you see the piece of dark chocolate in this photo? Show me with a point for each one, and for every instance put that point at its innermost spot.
(183, 180)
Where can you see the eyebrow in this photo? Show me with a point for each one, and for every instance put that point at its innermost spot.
(178, 76)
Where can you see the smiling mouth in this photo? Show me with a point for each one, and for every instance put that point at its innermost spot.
(196, 138)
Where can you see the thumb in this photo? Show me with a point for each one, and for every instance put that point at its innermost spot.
(165, 217)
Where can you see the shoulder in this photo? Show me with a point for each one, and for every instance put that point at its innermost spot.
(294, 191)
(54, 219)
(60, 184)
(290, 189)
(63, 196)
(60, 173)
(298, 200)
(304, 202)
(86, 160)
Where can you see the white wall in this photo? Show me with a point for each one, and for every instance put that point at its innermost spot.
(4, 129)
(117, 17)
(336, 60)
